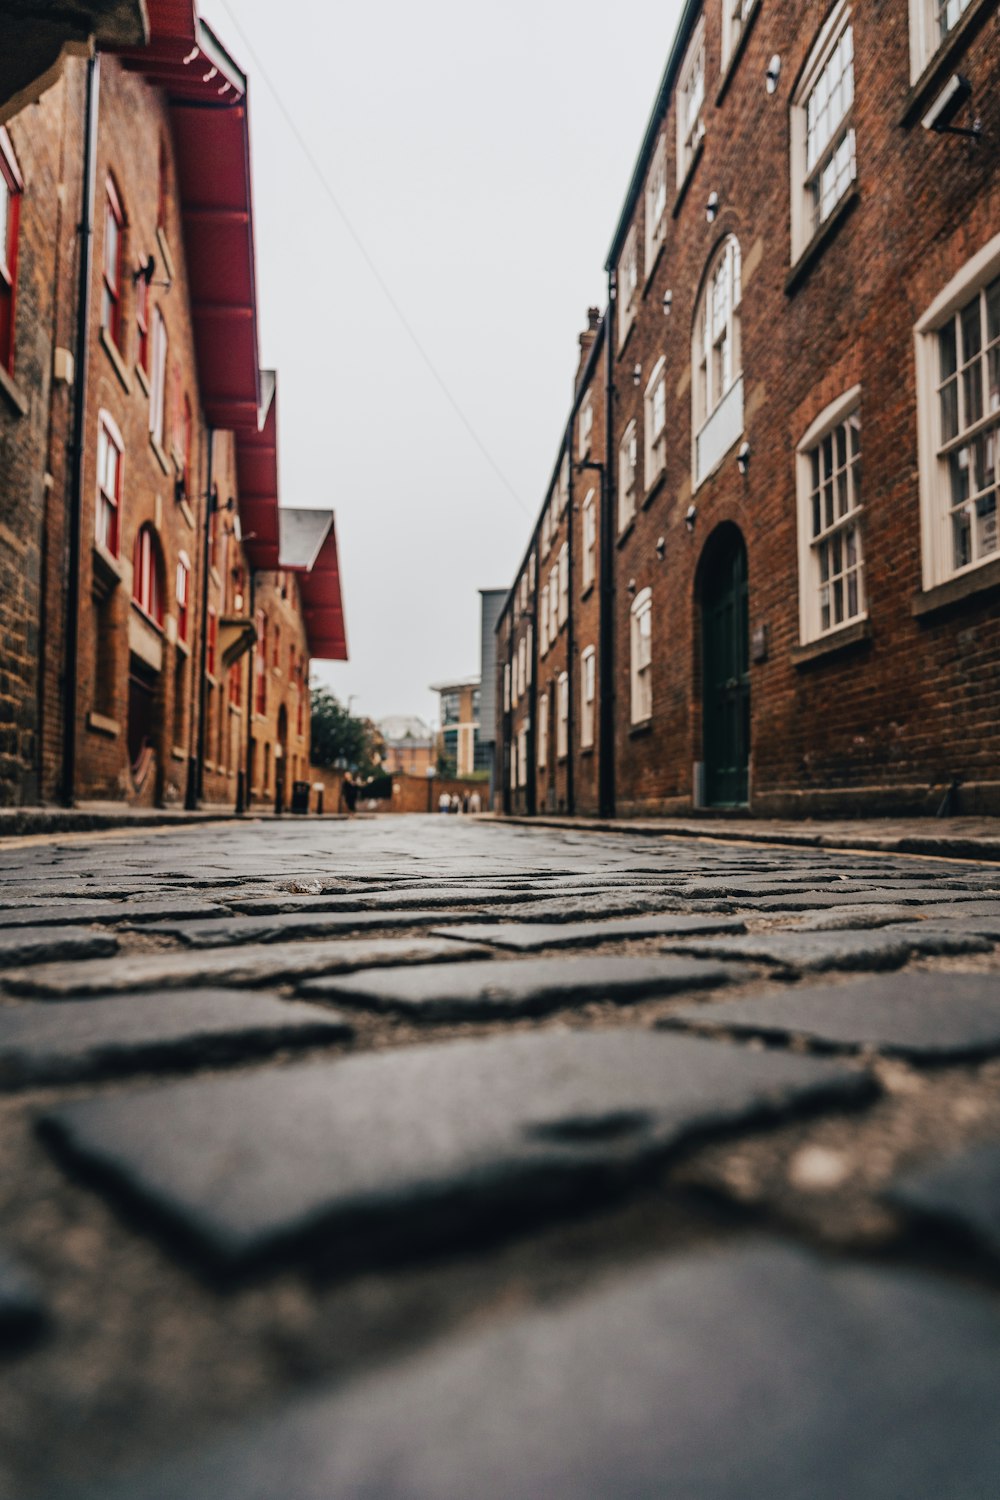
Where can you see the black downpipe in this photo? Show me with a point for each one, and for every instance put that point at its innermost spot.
(72, 617)
(532, 777)
(606, 666)
(210, 510)
(570, 657)
(251, 688)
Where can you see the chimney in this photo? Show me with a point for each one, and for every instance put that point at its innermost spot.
(587, 338)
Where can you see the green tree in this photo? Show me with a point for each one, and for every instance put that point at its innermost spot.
(340, 740)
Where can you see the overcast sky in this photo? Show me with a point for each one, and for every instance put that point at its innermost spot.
(481, 153)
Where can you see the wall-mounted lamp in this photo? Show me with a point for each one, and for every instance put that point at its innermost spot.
(743, 458)
(668, 302)
(661, 547)
(956, 92)
(637, 375)
(631, 585)
(773, 74)
(712, 207)
(691, 517)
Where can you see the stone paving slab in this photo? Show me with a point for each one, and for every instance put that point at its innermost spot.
(961, 1193)
(22, 1311)
(559, 908)
(423, 1142)
(42, 945)
(65, 1041)
(256, 964)
(923, 1016)
(228, 932)
(535, 986)
(526, 937)
(755, 1373)
(131, 911)
(874, 896)
(801, 952)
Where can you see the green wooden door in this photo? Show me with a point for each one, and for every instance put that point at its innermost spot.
(726, 677)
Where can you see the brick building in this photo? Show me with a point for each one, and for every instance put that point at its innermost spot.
(410, 746)
(153, 633)
(806, 269)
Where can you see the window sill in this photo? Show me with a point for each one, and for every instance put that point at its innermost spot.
(114, 355)
(737, 53)
(107, 568)
(942, 63)
(978, 581)
(142, 378)
(101, 724)
(645, 726)
(858, 633)
(586, 750)
(586, 592)
(626, 531)
(188, 514)
(168, 259)
(655, 487)
(161, 457)
(823, 236)
(177, 753)
(13, 392)
(682, 191)
(147, 619)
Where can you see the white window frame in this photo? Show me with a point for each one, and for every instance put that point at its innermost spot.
(513, 765)
(735, 15)
(563, 604)
(589, 528)
(562, 484)
(588, 696)
(506, 687)
(926, 34)
(842, 485)
(690, 102)
(717, 362)
(562, 716)
(531, 574)
(585, 426)
(641, 658)
(554, 584)
(838, 150)
(529, 641)
(627, 282)
(158, 378)
(628, 475)
(522, 755)
(656, 205)
(521, 655)
(543, 731)
(654, 423)
(543, 620)
(109, 438)
(933, 451)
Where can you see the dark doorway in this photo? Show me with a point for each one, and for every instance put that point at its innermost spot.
(143, 684)
(726, 672)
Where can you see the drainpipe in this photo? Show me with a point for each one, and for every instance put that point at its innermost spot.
(251, 687)
(532, 779)
(606, 664)
(570, 661)
(71, 662)
(211, 507)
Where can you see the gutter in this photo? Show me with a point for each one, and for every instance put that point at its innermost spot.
(606, 631)
(74, 542)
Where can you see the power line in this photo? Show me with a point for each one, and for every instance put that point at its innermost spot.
(370, 263)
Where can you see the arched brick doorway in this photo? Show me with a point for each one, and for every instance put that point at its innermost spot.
(725, 668)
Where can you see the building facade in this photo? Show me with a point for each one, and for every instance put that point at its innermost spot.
(459, 752)
(145, 591)
(410, 747)
(800, 603)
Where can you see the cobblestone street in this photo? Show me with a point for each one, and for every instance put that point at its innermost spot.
(446, 1158)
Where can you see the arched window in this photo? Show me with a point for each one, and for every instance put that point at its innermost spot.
(641, 656)
(147, 574)
(588, 695)
(562, 715)
(717, 362)
(655, 423)
(589, 539)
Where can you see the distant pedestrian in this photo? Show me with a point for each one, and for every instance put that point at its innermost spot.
(349, 792)
(444, 803)
(455, 804)
(465, 802)
(475, 803)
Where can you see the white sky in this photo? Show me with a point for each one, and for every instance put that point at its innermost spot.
(482, 153)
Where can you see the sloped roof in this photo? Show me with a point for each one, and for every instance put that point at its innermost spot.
(309, 549)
